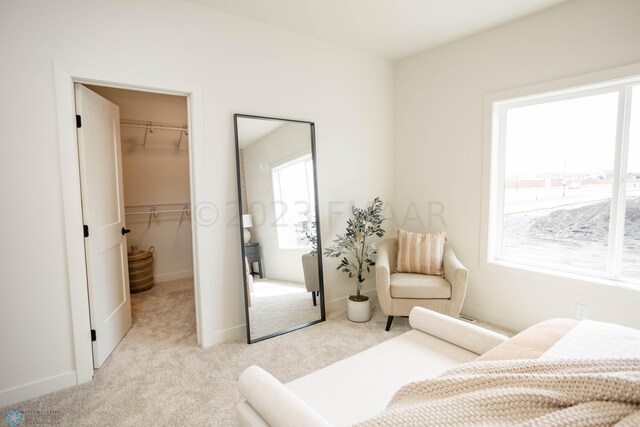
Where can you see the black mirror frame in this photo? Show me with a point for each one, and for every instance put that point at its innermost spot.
(323, 316)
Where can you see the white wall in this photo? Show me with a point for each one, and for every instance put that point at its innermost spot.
(243, 67)
(285, 143)
(155, 174)
(439, 137)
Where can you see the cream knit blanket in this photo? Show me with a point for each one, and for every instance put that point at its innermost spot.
(522, 392)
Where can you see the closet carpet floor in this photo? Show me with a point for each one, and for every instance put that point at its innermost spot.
(159, 376)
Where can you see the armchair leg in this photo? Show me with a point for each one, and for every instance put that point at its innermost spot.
(313, 295)
(389, 321)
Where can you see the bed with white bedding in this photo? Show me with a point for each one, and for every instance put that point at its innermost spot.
(590, 376)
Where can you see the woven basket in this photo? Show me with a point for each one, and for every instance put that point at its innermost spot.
(140, 270)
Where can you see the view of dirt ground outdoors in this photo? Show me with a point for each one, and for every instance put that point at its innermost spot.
(559, 168)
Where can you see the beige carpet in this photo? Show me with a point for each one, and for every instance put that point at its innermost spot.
(158, 376)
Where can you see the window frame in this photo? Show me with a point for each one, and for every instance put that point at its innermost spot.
(620, 80)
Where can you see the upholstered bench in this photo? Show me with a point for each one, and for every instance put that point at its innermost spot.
(361, 386)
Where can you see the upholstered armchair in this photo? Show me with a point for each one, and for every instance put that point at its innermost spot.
(398, 293)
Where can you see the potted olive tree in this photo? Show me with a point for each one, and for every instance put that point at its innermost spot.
(357, 251)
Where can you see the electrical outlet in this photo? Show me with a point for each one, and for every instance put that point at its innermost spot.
(582, 311)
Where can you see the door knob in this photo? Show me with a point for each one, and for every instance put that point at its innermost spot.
(125, 231)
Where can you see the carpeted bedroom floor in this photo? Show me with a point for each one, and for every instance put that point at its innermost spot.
(159, 376)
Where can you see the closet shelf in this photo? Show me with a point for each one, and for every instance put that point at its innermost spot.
(150, 126)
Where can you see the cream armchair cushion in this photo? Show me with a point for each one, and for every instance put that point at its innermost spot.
(411, 285)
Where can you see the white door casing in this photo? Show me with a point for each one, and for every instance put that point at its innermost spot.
(103, 212)
(66, 74)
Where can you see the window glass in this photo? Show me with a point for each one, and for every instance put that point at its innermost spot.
(631, 250)
(558, 174)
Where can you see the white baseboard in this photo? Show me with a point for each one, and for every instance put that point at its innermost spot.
(167, 277)
(226, 335)
(339, 304)
(490, 317)
(23, 392)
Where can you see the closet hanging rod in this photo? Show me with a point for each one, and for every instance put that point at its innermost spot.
(158, 212)
(157, 204)
(152, 210)
(153, 125)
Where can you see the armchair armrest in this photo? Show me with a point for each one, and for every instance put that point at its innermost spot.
(457, 275)
(275, 403)
(384, 267)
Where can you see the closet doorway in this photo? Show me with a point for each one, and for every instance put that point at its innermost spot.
(136, 198)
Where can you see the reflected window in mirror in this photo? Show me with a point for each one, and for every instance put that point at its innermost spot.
(294, 201)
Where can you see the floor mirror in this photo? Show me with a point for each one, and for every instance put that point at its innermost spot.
(279, 225)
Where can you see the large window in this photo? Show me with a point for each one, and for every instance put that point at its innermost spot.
(293, 194)
(566, 181)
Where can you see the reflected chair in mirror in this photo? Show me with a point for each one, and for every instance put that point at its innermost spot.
(398, 293)
(311, 280)
(248, 279)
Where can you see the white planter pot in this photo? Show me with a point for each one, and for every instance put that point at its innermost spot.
(359, 311)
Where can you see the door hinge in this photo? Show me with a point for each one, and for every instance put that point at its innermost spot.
(78, 121)
(85, 230)
(93, 335)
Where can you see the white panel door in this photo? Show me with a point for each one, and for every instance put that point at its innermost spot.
(103, 213)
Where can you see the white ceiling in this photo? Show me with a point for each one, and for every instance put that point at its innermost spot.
(392, 29)
(250, 130)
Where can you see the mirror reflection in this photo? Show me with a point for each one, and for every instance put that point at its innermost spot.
(282, 271)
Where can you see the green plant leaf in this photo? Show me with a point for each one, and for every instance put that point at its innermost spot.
(356, 251)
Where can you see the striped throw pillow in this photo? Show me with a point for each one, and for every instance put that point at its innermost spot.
(420, 253)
